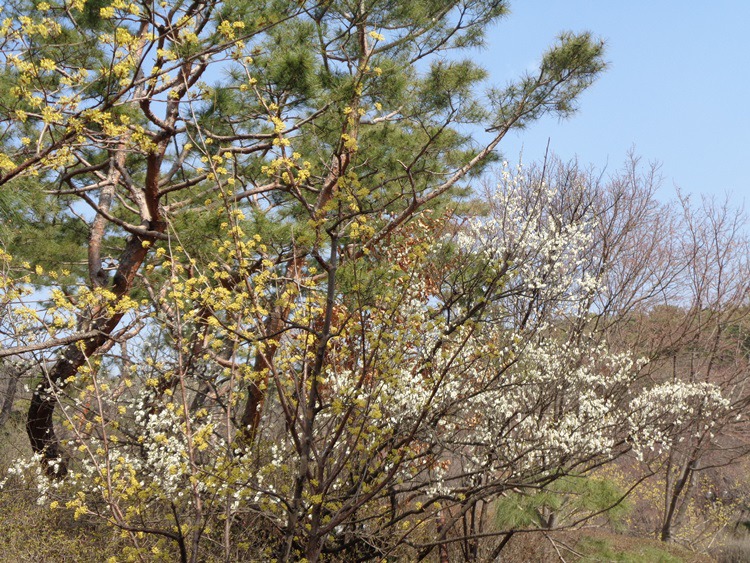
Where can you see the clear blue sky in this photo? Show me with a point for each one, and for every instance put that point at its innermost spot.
(677, 89)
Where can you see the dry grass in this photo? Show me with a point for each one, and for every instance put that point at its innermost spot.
(32, 533)
(597, 546)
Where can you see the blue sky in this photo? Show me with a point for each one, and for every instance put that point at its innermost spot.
(677, 89)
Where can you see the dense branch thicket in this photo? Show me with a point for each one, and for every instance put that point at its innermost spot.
(273, 320)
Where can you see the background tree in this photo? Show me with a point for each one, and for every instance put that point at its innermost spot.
(706, 343)
(675, 291)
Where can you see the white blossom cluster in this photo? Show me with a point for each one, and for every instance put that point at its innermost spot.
(541, 252)
(165, 448)
(674, 404)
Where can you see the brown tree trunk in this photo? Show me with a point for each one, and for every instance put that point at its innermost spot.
(666, 529)
(39, 422)
(256, 391)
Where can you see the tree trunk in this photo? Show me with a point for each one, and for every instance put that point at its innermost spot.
(39, 422)
(13, 374)
(669, 515)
